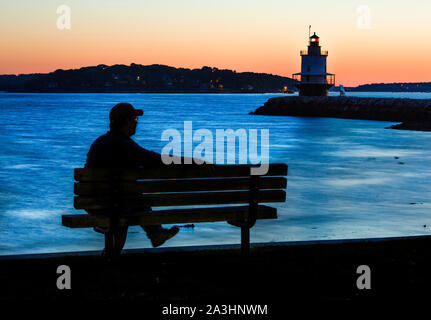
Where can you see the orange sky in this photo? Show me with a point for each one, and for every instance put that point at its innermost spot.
(253, 35)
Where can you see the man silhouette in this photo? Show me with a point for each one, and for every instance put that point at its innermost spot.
(116, 149)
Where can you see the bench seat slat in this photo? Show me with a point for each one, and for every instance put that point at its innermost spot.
(174, 172)
(175, 216)
(157, 186)
(177, 199)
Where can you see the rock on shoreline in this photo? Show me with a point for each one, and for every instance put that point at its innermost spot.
(416, 113)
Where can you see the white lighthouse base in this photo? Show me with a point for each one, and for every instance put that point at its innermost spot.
(308, 89)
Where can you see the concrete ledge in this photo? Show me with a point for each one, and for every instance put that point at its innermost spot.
(273, 272)
(227, 247)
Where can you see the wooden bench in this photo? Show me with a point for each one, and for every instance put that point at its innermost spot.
(174, 186)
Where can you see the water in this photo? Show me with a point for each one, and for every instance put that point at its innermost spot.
(347, 178)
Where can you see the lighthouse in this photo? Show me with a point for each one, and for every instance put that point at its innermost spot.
(313, 80)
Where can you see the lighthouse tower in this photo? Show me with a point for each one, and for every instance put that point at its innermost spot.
(313, 80)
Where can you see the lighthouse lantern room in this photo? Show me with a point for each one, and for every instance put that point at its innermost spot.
(313, 80)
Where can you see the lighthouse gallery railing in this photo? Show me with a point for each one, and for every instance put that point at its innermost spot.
(315, 79)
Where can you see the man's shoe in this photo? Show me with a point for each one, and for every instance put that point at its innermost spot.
(161, 237)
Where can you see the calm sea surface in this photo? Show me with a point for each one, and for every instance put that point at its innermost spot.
(347, 178)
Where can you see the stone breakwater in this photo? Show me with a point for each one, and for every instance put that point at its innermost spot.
(413, 112)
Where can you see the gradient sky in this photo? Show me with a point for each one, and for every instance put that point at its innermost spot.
(242, 35)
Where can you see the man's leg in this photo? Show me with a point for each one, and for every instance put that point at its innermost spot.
(120, 236)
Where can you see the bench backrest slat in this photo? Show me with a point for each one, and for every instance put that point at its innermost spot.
(173, 172)
(176, 199)
(157, 186)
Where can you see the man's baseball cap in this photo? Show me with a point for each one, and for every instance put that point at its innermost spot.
(123, 111)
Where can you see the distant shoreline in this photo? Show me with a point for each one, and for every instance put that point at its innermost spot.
(149, 79)
(166, 79)
(205, 92)
(149, 92)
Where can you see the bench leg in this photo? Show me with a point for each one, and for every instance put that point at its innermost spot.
(245, 240)
(109, 244)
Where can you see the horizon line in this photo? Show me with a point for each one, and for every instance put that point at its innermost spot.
(176, 67)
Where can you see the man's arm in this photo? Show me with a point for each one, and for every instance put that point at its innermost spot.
(147, 158)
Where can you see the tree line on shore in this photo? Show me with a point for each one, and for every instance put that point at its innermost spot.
(152, 78)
